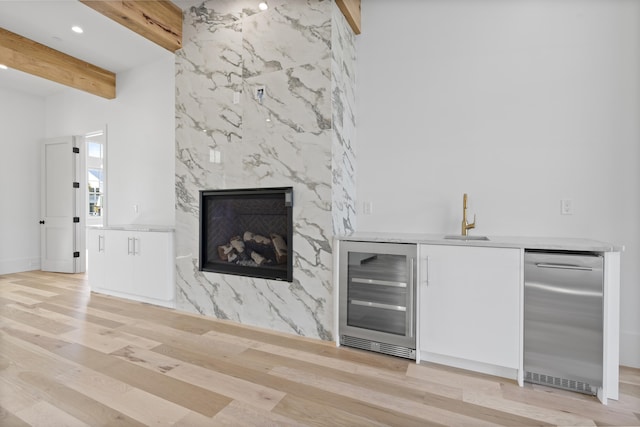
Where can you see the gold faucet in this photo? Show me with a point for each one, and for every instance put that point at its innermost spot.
(465, 225)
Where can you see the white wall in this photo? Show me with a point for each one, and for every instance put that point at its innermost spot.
(140, 140)
(21, 131)
(518, 103)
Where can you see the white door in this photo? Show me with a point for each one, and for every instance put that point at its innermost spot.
(62, 243)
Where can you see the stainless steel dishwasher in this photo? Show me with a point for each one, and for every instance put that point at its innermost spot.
(563, 319)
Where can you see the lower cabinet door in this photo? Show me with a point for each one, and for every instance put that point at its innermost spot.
(153, 265)
(470, 304)
(119, 265)
(96, 258)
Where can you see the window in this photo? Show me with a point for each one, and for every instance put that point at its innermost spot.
(95, 149)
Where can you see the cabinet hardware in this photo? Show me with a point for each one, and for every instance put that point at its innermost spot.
(379, 282)
(426, 270)
(378, 305)
(563, 266)
(411, 317)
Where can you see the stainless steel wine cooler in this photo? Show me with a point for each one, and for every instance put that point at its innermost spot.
(378, 297)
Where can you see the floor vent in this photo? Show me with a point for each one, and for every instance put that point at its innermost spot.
(364, 344)
(579, 386)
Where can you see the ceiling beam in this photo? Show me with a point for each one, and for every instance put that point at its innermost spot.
(159, 20)
(351, 10)
(21, 53)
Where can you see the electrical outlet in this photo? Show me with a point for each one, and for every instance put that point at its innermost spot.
(566, 207)
(259, 92)
(367, 208)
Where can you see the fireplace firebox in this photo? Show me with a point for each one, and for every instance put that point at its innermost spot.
(247, 232)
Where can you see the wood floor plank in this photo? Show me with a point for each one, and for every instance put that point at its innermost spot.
(345, 364)
(15, 395)
(72, 357)
(175, 338)
(258, 396)
(312, 413)
(259, 375)
(546, 415)
(34, 320)
(242, 414)
(77, 404)
(106, 340)
(81, 315)
(45, 414)
(190, 396)
(20, 298)
(140, 405)
(195, 398)
(568, 402)
(432, 408)
(7, 419)
(237, 389)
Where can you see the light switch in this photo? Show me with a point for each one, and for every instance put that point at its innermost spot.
(214, 156)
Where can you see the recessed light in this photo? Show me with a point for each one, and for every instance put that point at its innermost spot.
(77, 29)
(3, 67)
(263, 5)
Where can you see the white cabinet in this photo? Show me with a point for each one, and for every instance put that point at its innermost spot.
(133, 264)
(95, 248)
(469, 307)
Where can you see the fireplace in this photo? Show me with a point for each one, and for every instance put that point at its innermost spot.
(247, 232)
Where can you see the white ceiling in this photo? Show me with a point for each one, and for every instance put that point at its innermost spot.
(104, 43)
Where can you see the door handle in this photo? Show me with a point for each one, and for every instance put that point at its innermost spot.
(42, 222)
(100, 246)
(563, 266)
(425, 269)
(412, 290)
(129, 239)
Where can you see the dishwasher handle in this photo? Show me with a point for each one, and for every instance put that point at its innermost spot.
(563, 266)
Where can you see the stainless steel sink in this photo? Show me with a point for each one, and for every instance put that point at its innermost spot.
(465, 238)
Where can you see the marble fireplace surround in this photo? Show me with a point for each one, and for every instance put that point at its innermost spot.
(300, 134)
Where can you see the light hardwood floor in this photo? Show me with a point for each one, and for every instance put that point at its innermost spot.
(70, 357)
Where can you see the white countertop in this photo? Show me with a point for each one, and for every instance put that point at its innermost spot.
(135, 227)
(549, 243)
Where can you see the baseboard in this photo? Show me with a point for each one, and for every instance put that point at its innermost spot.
(154, 301)
(630, 349)
(470, 365)
(18, 265)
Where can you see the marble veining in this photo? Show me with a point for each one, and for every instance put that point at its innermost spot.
(300, 134)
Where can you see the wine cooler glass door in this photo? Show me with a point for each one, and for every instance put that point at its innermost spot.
(377, 292)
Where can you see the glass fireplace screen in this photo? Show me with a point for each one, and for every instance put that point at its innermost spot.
(247, 232)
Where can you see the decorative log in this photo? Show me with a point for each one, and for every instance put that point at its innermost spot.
(257, 258)
(237, 244)
(280, 248)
